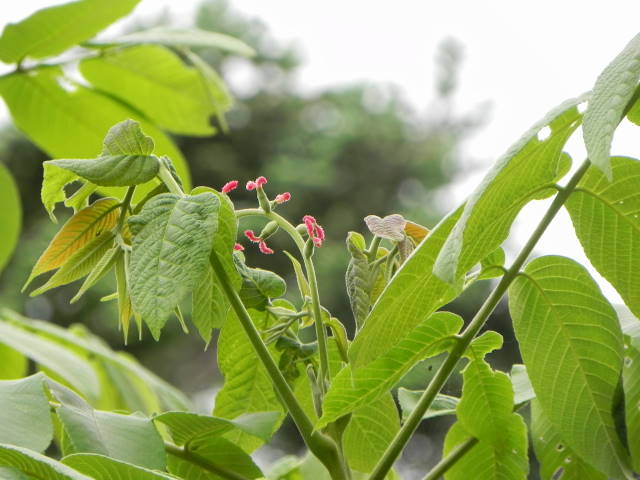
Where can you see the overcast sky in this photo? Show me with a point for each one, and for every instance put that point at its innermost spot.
(523, 57)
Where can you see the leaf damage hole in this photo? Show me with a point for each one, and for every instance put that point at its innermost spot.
(627, 361)
(559, 447)
(544, 133)
(557, 474)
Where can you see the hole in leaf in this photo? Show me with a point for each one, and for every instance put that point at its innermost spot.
(627, 361)
(557, 474)
(544, 133)
(559, 447)
(568, 460)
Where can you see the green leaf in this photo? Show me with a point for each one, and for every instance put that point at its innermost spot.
(210, 304)
(554, 454)
(490, 266)
(631, 384)
(53, 182)
(156, 82)
(442, 404)
(522, 388)
(370, 431)
(63, 361)
(11, 215)
(13, 364)
(413, 295)
(170, 250)
(184, 37)
(129, 438)
(247, 387)
(354, 387)
(185, 427)
(25, 420)
(37, 465)
(358, 278)
(258, 285)
(526, 172)
(571, 343)
(218, 451)
(125, 160)
(51, 114)
(100, 467)
(605, 218)
(53, 30)
(98, 271)
(301, 280)
(613, 89)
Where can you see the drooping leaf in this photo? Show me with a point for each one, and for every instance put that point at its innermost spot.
(11, 216)
(54, 180)
(170, 250)
(303, 284)
(155, 81)
(613, 89)
(556, 458)
(258, 285)
(605, 217)
(98, 271)
(182, 37)
(36, 465)
(63, 361)
(100, 467)
(354, 387)
(247, 387)
(25, 420)
(442, 404)
(53, 30)
(413, 294)
(571, 343)
(526, 172)
(51, 114)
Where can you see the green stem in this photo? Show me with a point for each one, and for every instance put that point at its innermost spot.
(167, 178)
(447, 462)
(372, 252)
(202, 462)
(125, 206)
(322, 446)
(446, 369)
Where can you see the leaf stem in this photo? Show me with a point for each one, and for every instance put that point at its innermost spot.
(124, 206)
(167, 178)
(322, 446)
(446, 369)
(202, 462)
(447, 462)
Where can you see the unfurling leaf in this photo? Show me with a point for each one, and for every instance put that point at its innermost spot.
(390, 227)
(84, 226)
(358, 278)
(258, 285)
(416, 231)
(171, 245)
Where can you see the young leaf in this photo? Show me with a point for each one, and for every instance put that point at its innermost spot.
(84, 226)
(181, 37)
(526, 172)
(369, 433)
(98, 271)
(303, 284)
(442, 404)
(25, 420)
(605, 217)
(413, 294)
(36, 465)
(11, 216)
(247, 387)
(124, 300)
(613, 89)
(556, 458)
(258, 285)
(54, 180)
(571, 344)
(354, 387)
(100, 467)
(53, 30)
(143, 74)
(390, 227)
(171, 244)
(358, 278)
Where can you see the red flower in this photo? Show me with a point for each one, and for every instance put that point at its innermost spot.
(252, 236)
(239, 248)
(283, 197)
(264, 249)
(251, 185)
(229, 186)
(315, 231)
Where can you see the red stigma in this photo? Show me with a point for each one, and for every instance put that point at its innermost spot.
(251, 185)
(283, 197)
(264, 249)
(229, 186)
(238, 248)
(252, 236)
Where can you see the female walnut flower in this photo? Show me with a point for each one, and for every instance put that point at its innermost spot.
(257, 183)
(238, 248)
(229, 186)
(315, 231)
(262, 245)
(282, 198)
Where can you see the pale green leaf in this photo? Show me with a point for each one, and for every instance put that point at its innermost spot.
(492, 265)
(59, 359)
(170, 251)
(100, 467)
(13, 364)
(442, 404)
(613, 89)
(36, 465)
(11, 216)
(571, 343)
(354, 387)
(53, 30)
(25, 420)
(53, 182)
(247, 387)
(413, 295)
(370, 431)
(554, 455)
(522, 388)
(526, 172)
(156, 82)
(606, 219)
(183, 37)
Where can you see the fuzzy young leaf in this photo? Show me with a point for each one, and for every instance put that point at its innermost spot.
(36, 465)
(358, 278)
(53, 30)
(613, 89)
(571, 343)
(84, 226)
(258, 285)
(526, 172)
(171, 245)
(100, 467)
(390, 227)
(11, 216)
(354, 387)
(143, 74)
(605, 217)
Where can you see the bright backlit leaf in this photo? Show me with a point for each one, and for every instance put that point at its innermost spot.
(11, 216)
(100, 467)
(36, 465)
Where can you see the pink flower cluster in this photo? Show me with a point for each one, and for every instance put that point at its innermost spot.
(315, 231)
(262, 245)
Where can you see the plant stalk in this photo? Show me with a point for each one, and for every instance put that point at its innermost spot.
(202, 462)
(447, 462)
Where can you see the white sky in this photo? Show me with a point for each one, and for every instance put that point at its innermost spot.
(524, 57)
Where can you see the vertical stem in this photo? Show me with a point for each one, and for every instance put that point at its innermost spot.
(444, 372)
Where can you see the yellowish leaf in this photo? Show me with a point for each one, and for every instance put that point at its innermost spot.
(416, 231)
